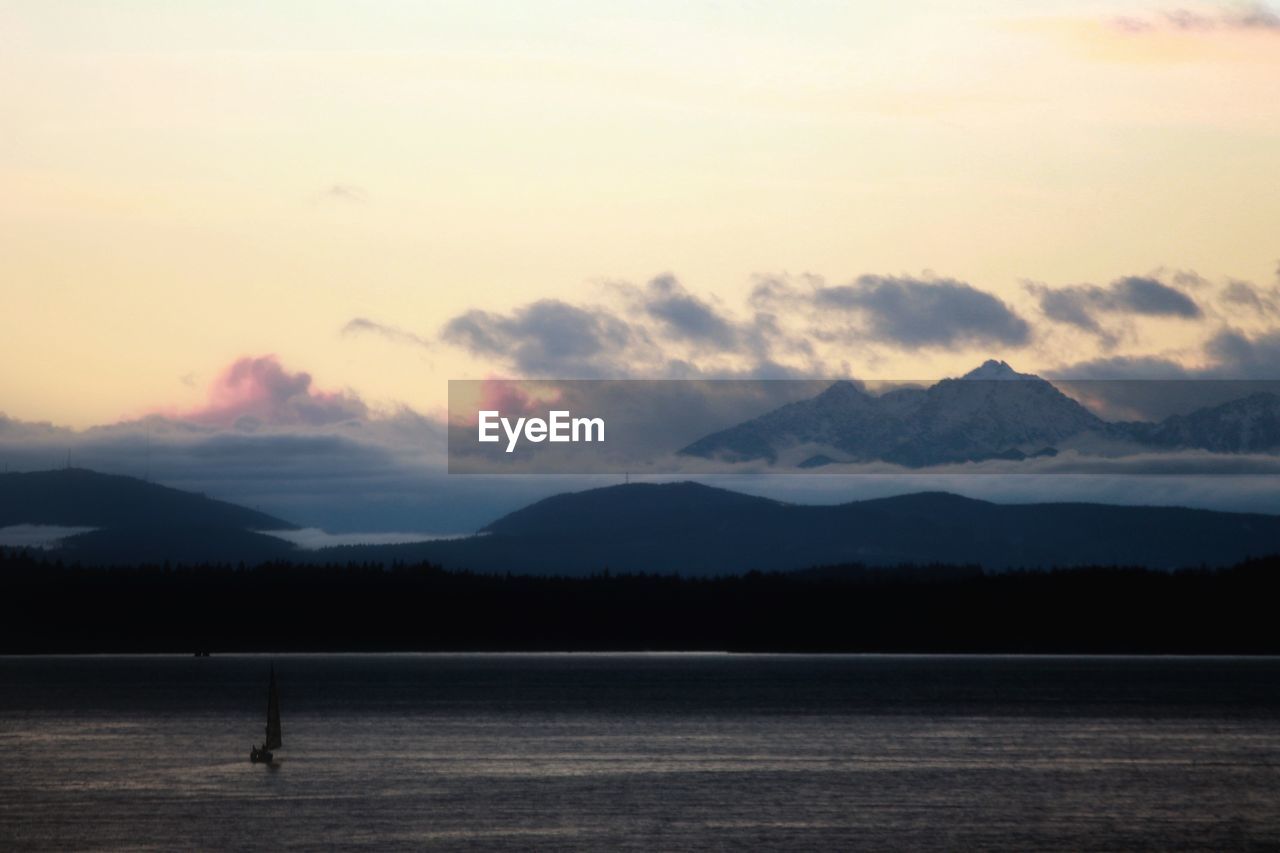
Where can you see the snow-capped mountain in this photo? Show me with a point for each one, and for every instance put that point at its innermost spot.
(1248, 425)
(992, 369)
(842, 415)
(992, 412)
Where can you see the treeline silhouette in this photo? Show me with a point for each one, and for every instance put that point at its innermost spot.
(51, 607)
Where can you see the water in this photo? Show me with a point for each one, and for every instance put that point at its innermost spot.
(662, 752)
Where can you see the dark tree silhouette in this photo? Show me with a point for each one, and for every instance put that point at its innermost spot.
(52, 607)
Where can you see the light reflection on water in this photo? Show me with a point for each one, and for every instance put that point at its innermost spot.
(646, 752)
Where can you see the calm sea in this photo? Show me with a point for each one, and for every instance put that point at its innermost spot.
(654, 752)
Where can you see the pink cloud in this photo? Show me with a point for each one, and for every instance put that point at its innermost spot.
(514, 398)
(259, 390)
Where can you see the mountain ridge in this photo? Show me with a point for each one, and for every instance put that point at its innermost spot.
(699, 530)
(991, 412)
(654, 528)
(83, 497)
(137, 521)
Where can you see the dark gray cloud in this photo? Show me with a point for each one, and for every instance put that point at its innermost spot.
(686, 317)
(706, 329)
(1230, 354)
(931, 313)
(1068, 305)
(1121, 367)
(799, 326)
(547, 338)
(1242, 357)
(1143, 295)
(659, 330)
(1081, 305)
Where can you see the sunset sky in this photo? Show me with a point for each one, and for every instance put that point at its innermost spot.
(188, 184)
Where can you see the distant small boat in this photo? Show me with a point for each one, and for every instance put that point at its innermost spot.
(263, 753)
(202, 654)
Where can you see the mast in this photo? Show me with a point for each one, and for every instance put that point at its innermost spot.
(273, 714)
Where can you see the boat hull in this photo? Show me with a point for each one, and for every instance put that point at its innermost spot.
(260, 756)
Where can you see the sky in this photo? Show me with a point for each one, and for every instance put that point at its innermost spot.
(313, 213)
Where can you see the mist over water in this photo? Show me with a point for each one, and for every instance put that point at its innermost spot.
(37, 535)
(313, 538)
(673, 752)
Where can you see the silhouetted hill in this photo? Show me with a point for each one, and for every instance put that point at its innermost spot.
(183, 543)
(697, 530)
(685, 528)
(644, 509)
(137, 521)
(76, 497)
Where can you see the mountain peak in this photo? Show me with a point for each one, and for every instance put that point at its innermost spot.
(842, 389)
(993, 369)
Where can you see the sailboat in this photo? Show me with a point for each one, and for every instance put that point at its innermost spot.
(263, 753)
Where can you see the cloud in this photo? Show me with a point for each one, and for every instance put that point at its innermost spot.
(802, 327)
(1242, 357)
(255, 391)
(1081, 305)
(1244, 295)
(1121, 367)
(15, 430)
(1070, 306)
(1228, 354)
(685, 316)
(349, 193)
(1131, 25)
(547, 338)
(931, 313)
(660, 330)
(792, 328)
(1249, 16)
(1150, 297)
(513, 398)
(1190, 280)
(756, 342)
(267, 438)
(1257, 17)
(362, 326)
